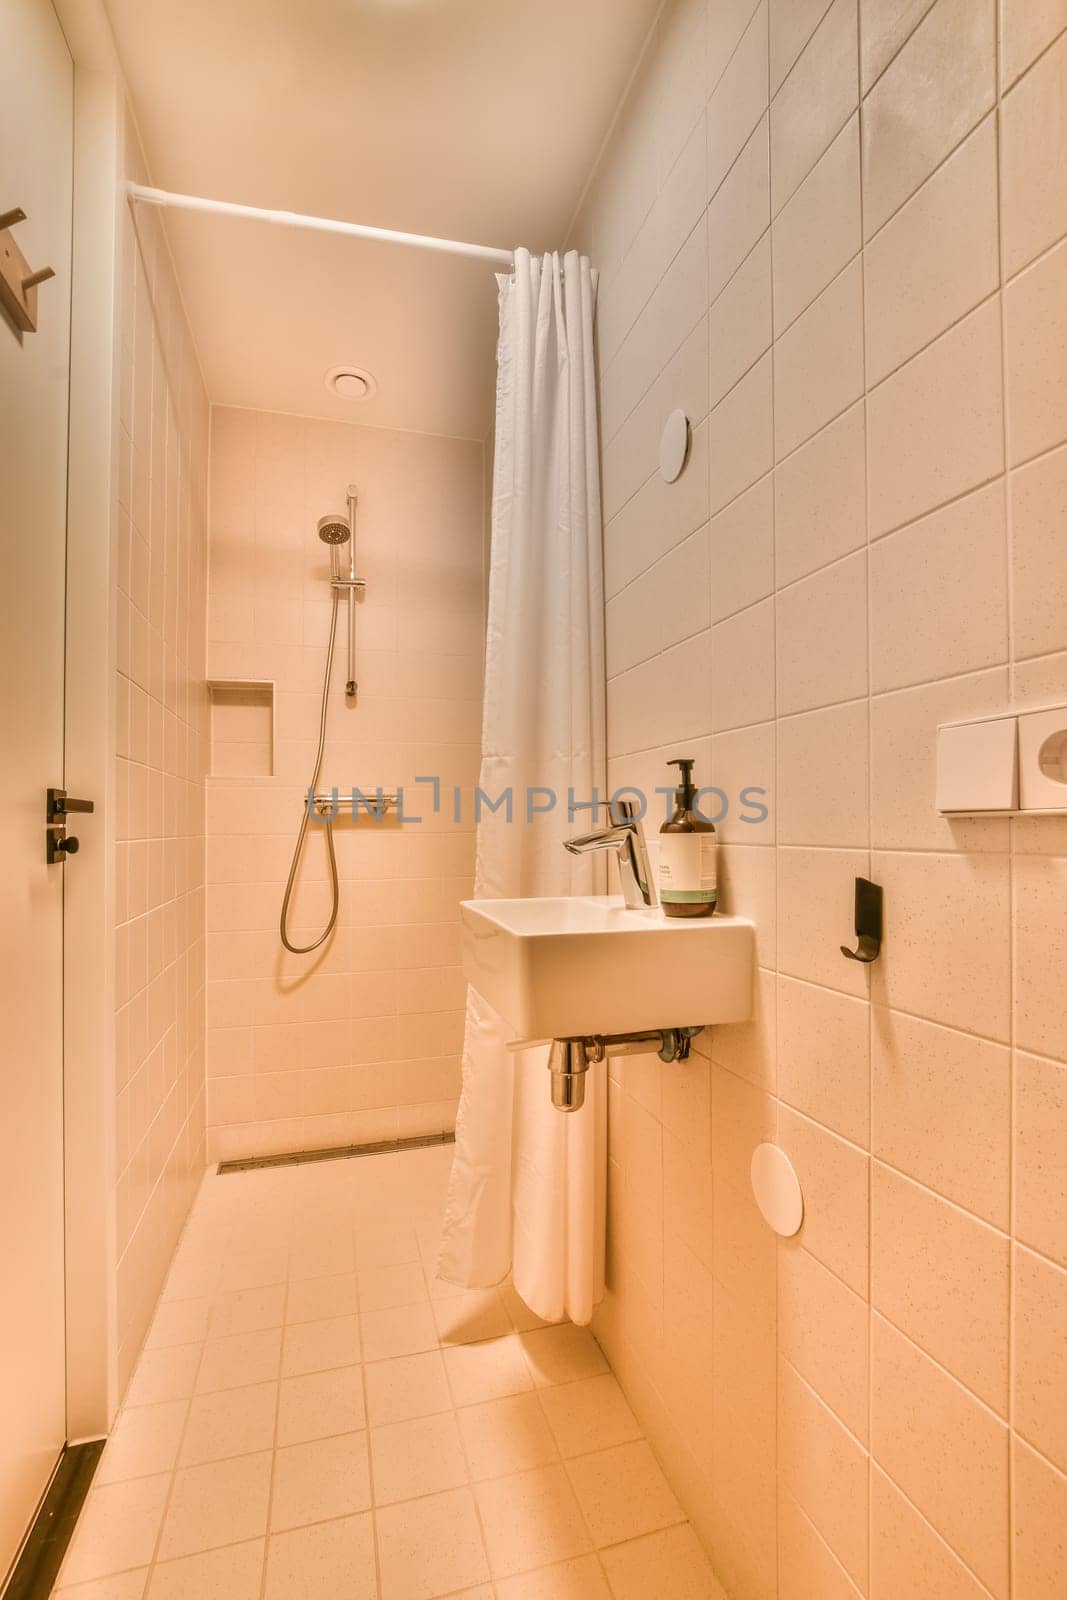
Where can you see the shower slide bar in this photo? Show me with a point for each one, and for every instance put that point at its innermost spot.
(297, 219)
(378, 802)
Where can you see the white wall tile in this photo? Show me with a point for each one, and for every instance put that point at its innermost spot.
(946, 954)
(884, 27)
(1035, 311)
(1035, 160)
(822, 773)
(740, 436)
(740, 211)
(935, 91)
(739, 322)
(1039, 556)
(822, 637)
(815, 101)
(818, 362)
(1027, 27)
(824, 1056)
(939, 602)
(792, 23)
(742, 551)
(738, 100)
(742, 679)
(936, 258)
(817, 232)
(936, 426)
(820, 498)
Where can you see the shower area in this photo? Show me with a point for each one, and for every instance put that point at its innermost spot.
(353, 1036)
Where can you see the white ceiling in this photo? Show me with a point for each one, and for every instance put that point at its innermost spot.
(470, 119)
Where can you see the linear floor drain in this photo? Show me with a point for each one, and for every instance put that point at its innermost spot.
(41, 1556)
(334, 1152)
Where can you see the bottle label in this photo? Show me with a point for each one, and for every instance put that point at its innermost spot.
(687, 868)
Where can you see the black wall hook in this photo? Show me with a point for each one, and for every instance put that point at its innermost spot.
(868, 922)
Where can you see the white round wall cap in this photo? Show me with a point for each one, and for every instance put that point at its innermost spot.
(674, 446)
(777, 1189)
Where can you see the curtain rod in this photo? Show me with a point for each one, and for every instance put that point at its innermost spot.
(296, 219)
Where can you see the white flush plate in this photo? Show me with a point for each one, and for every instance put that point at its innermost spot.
(777, 1189)
(674, 446)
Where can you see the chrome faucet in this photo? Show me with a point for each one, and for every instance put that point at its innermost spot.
(625, 835)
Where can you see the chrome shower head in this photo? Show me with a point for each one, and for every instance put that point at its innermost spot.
(334, 530)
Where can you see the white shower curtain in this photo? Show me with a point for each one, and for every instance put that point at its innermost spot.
(527, 1192)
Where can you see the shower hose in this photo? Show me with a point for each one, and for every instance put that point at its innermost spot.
(305, 949)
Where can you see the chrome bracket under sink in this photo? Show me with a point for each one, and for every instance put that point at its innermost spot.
(570, 1059)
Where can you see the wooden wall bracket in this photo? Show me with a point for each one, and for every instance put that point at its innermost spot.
(18, 282)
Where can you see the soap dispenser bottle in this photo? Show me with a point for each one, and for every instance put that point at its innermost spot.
(688, 883)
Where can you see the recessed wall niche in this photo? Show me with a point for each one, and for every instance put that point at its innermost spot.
(242, 728)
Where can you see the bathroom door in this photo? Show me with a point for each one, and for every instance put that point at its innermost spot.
(36, 152)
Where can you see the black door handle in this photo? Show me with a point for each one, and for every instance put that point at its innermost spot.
(61, 805)
(58, 805)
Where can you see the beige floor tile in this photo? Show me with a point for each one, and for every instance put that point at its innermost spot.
(467, 1318)
(423, 1456)
(563, 1354)
(179, 1322)
(319, 1346)
(144, 1440)
(430, 1547)
(164, 1375)
(254, 1268)
(319, 1480)
(243, 1358)
(509, 1435)
(319, 1257)
(388, 1245)
(383, 1287)
(216, 1504)
(580, 1579)
(669, 1563)
(623, 1493)
(234, 1573)
(247, 1310)
(230, 1422)
(320, 1404)
(398, 1331)
(192, 1275)
(117, 1529)
(487, 1371)
(406, 1387)
(530, 1520)
(589, 1415)
(314, 1299)
(122, 1586)
(334, 1560)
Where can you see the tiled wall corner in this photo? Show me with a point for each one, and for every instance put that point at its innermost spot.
(841, 246)
(160, 747)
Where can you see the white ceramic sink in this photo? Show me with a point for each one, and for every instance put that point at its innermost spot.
(560, 968)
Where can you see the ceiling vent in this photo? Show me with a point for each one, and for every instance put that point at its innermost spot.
(350, 383)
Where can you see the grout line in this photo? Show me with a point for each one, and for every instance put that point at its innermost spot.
(869, 665)
(991, 1412)
(1007, 498)
(842, 1571)
(773, 796)
(1004, 93)
(940, 1538)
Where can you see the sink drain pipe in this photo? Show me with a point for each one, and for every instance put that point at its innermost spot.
(570, 1059)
